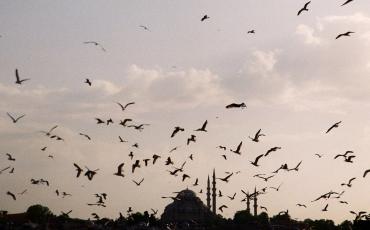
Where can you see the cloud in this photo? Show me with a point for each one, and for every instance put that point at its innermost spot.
(356, 18)
(106, 87)
(308, 34)
(175, 88)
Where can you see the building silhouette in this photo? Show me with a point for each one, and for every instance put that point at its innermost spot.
(214, 195)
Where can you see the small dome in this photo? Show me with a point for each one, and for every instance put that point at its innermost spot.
(186, 194)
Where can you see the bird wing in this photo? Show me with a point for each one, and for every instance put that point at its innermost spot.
(17, 75)
(11, 117)
(366, 172)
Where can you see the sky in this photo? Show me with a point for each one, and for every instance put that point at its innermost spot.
(294, 76)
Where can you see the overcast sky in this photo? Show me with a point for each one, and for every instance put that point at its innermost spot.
(294, 76)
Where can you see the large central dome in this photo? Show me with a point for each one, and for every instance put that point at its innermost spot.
(186, 207)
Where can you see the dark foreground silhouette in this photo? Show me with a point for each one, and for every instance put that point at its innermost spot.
(40, 217)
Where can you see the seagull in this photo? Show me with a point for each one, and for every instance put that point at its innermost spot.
(176, 130)
(15, 119)
(155, 158)
(173, 149)
(138, 127)
(95, 216)
(11, 194)
(135, 165)
(301, 205)
(347, 34)
(325, 208)
(85, 135)
(123, 123)
(336, 125)
(237, 151)
(184, 176)
(349, 184)
(222, 147)
(10, 158)
(296, 167)
(96, 44)
(191, 138)
(131, 155)
(304, 8)
(232, 197)
(146, 161)
(196, 182)
(255, 162)
(343, 155)
(18, 80)
(251, 32)
(257, 135)
(358, 215)
(277, 189)
(138, 183)
(109, 121)
(121, 140)
(44, 148)
(366, 172)
(88, 81)
(191, 157)
(203, 128)
(99, 121)
(123, 107)
(90, 173)
(349, 159)
(48, 133)
(346, 2)
(236, 105)
(78, 169)
(271, 150)
(4, 169)
(66, 213)
(204, 18)
(222, 207)
(144, 27)
(318, 155)
(226, 179)
(169, 161)
(343, 202)
(265, 178)
(119, 170)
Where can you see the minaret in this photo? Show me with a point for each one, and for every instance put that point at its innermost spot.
(208, 194)
(214, 192)
(248, 204)
(255, 202)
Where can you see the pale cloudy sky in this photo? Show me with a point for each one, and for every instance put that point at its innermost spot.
(295, 78)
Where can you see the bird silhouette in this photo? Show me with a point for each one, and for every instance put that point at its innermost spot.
(90, 173)
(135, 165)
(336, 125)
(222, 147)
(265, 178)
(78, 169)
(272, 150)
(121, 140)
(154, 212)
(15, 120)
(304, 8)
(44, 148)
(301, 205)
(131, 155)
(236, 105)
(96, 44)
(124, 122)
(251, 32)
(191, 157)
(232, 197)
(99, 121)
(184, 176)
(349, 184)
(343, 155)
(155, 158)
(66, 214)
(88, 81)
(365, 173)
(110, 121)
(358, 215)
(255, 162)
(11, 194)
(138, 183)
(343, 202)
(257, 136)
(277, 189)
(325, 209)
(120, 170)
(10, 158)
(191, 139)
(226, 179)
(296, 167)
(224, 156)
(349, 158)
(85, 135)
(222, 207)
(144, 27)
(346, 2)
(318, 155)
(48, 133)
(205, 17)
(138, 127)
(123, 107)
(346, 34)
(176, 130)
(146, 161)
(169, 161)
(18, 79)
(203, 128)
(95, 216)
(4, 169)
(12, 170)
(196, 182)
(237, 151)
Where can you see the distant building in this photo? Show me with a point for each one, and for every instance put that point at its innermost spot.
(186, 207)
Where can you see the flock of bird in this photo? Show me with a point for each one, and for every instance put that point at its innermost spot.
(167, 159)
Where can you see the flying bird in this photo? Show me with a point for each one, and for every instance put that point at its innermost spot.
(191, 138)
(120, 170)
(11, 194)
(78, 169)
(205, 17)
(232, 197)
(96, 44)
(236, 105)
(318, 155)
(15, 119)
(48, 133)
(155, 158)
(349, 184)
(121, 140)
(250, 32)
(222, 207)
(123, 107)
(346, 34)
(124, 122)
(304, 8)
(88, 81)
(301, 205)
(85, 135)
(135, 165)
(296, 167)
(138, 183)
(226, 179)
(237, 151)
(184, 176)
(366, 172)
(325, 208)
(257, 136)
(18, 80)
(346, 2)
(10, 157)
(90, 173)
(4, 169)
(203, 128)
(255, 162)
(336, 125)
(144, 27)
(99, 121)
(176, 130)
(271, 150)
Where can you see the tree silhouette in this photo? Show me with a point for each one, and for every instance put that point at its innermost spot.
(38, 213)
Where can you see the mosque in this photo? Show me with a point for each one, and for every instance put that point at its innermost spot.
(188, 207)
